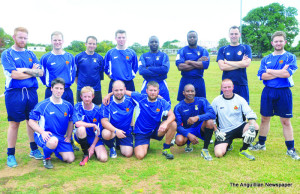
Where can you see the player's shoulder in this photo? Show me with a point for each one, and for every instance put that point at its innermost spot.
(69, 54)
(6, 52)
(66, 103)
(98, 55)
(200, 100)
(224, 47)
(79, 55)
(218, 98)
(46, 55)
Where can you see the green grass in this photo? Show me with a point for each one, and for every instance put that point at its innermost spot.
(188, 172)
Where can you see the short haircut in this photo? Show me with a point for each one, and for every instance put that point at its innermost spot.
(20, 29)
(278, 33)
(234, 27)
(192, 32)
(187, 85)
(118, 81)
(151, 37)
(226, 80)
(57, 33)
(92, 37)
(58, 80)
(152, 83)
(87, 89)
(120, 32)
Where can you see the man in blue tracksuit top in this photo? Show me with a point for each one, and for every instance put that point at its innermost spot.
(233, 60)
(154, 66)
(276, 71)
(121, 63)
(89, 71)
(192, 60)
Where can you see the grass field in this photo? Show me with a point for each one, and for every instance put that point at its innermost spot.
(188, 172)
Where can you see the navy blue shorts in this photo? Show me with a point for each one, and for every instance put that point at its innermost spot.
(163, 90)
(19, 102)
(198, 83)
(96, 100)
(128, 84)
(243, 91)
(62, 146)
(276, 101)
(68, 95)
(233, 134)
(142, 139)
(195, 131)
(127, 141)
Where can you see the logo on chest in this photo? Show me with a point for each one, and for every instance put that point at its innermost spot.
(94, 120)
(239, 53)
(67, 62)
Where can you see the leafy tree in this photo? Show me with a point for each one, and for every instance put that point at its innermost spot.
(76, 46)
(169, 45)
(104, 46)
(260, 23)
(138, 48)
(6, 40)
(222, 42)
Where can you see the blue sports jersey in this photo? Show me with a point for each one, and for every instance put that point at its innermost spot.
(89, 70)
(154, 66)
(119, 114)
(235, 53)
(278, 62)
(55, 66)
(11, 60)
(149, 114)
(88, 116)
(200, 107)
(193, 54)
(53, 117)
(121, 64)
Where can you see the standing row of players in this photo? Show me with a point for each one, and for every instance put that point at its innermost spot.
(21, 67)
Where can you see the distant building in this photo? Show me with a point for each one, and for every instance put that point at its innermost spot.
(37, 48)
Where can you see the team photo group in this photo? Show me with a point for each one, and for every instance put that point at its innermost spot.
(126, 120)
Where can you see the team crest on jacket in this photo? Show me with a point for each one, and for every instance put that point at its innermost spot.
(30, 60)
(65, 114)
(281, 61)
(236, 107)
(157, 110)
(67, 62)
(94, 120)
(95, 60)
(196, 107)
(157, 58)
(127, 57)
(198, 53)
(239, 53)
(127, 109)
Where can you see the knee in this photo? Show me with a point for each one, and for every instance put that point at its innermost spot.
(179, 141)
(210, 124)
(174, 126)
(219, 153)
(127, 154)
(52, 143)
(70, 158)
(102, 158)
(81, 132)
(140, 155)
(106, 134)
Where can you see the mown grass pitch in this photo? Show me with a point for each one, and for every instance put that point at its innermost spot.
(188, 172)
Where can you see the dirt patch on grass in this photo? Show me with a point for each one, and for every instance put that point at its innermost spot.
(149, 185)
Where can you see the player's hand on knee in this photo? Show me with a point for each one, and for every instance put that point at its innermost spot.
(220, 136)
(162, 127)
(192, 120)
(249, 135)
(193, 138)
(68, 139)
(120, 133)
(46, 135)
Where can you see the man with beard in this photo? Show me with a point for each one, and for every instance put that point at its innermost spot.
(230, 109)
(51, 120)
(148, 125)
(59, 63)
(21, 67)
(121, 62)
(192, 60)
(89, 71)
(154, 66)
(233, 60)
(276, 71)
(117, 118)
(87, 120)
(194, 117)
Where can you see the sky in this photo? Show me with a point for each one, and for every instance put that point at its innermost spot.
(167, 19)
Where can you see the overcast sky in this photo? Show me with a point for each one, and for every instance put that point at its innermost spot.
(167, 19)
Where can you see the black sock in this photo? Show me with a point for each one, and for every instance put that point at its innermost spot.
(207, 137)
(33, 146)
(245, 146)
(84, 145)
